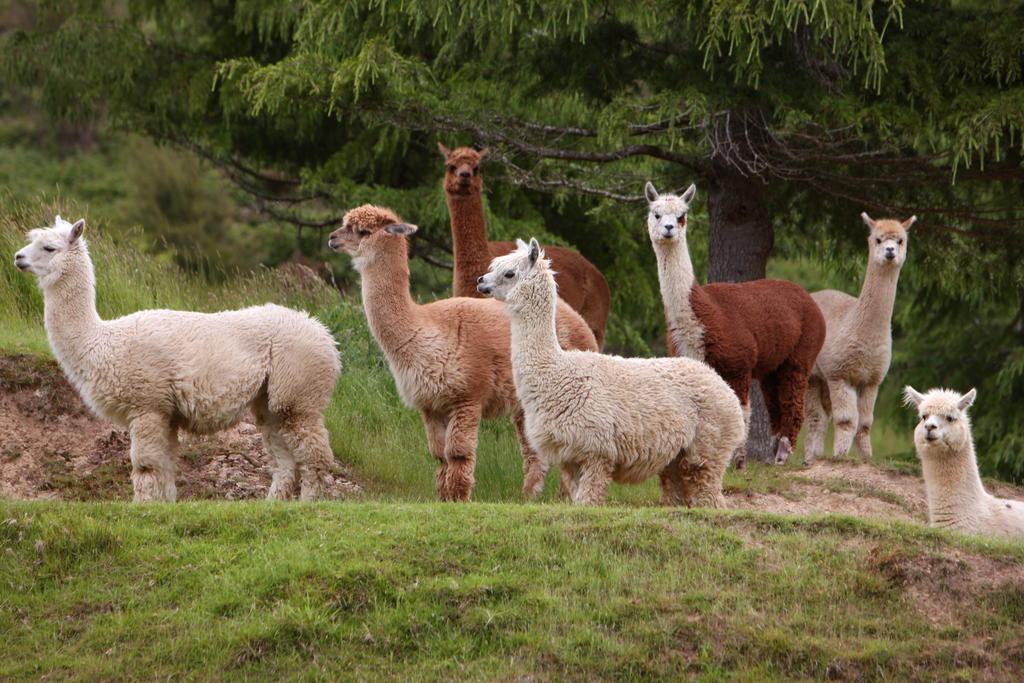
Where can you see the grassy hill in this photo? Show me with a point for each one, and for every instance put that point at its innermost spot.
(482, 591)
(390, 584)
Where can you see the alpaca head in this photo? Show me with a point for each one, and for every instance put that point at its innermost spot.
(367, 229)
(52, 250)
(462, 170)
(666, 217)
(944, 425)
(887, 243)
(513, 278)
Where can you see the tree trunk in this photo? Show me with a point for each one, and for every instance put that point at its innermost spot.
(739, 242)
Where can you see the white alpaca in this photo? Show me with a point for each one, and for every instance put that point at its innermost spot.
(858, 346)
(956, 498)
(159, 371)
(607, 418)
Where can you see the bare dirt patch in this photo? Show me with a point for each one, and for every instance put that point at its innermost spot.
(832, 486)
(52, 447)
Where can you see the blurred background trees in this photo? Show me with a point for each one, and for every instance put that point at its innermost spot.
(270, 118)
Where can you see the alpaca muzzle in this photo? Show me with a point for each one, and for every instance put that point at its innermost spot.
(482, 286)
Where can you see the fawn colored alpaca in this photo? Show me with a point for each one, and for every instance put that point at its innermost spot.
(956, 497)
(449, 358)
(858, 346)
(580, 283)
(607, 418)
(157, 372)
(768, 330)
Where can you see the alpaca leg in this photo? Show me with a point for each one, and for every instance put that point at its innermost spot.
(741, 385)
(844, 414)
(308, 442)
(594, 477)
(672, 481)
(436, 425)
(569, 473)
(703, 467)
(535, 468)
(460, 450)
(790, 392)
(284, 478)
(154, 446)
(865, 418)
(816, 420)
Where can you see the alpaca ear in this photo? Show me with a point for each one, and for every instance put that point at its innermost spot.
(967, 400)
(76, 231)
(911, 396)
(444, 150)
(910, 221)
(690, 193)
(535, 252)
(401, 229)
(520, 244)
(650, 192)
(867, 220)
(484, 152)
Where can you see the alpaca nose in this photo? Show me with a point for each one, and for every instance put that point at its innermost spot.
(930, 429)
(890, 252)
(463, 174)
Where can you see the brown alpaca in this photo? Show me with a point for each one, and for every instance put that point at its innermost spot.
(580, 283)
(450, 358)
(858, 347)
(768, 330)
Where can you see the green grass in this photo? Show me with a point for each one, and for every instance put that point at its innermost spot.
(427, 591)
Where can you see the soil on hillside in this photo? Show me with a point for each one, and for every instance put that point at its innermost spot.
(53, 447)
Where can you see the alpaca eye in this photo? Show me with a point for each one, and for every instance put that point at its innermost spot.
(451, 168)
(476, 169)
(657, 216)
(925, 416)
(878, 240)
(510, 273)
(899, 241)
(49, 248)
(362, 231)
(949, 418)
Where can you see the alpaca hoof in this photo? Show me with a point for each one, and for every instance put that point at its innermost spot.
(739, 457)
(783, 451)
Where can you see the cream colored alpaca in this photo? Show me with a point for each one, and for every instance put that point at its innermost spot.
(858, 347)
(156, 372)
(956, 498)
(449, 358)
(607, 418)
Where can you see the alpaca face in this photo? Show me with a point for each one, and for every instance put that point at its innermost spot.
(887, 242)
(666, 216)
(944, 424)
(47, 254)
(364, 228)
(462, 170)
(509, 271)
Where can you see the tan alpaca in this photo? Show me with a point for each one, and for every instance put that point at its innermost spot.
(580, 283)
(858, 346)
(449, 358)
(956, 498)
(607, 418)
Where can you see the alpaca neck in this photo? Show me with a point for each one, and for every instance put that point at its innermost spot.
(470, 253)
(72, 322)
(953, 484)
(872, 316)
(678, 285)
(390, 311)
(534, 338)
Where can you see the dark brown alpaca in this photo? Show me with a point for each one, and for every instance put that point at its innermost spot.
(768, 330)
(580, 283)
